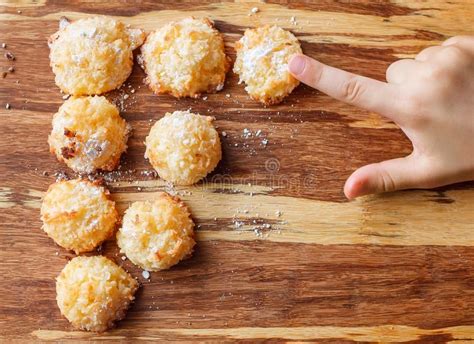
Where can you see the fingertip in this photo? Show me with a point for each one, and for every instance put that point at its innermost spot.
(297, 64)
(352, 188)
(348, 190)
(359, 184)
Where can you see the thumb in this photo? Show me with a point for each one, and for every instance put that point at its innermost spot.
(390, 175)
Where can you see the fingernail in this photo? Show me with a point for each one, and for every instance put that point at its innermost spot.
(357, 186)
(297, 64)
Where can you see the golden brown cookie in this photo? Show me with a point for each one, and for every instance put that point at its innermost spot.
(93, 55)
(156, 235)
(78, 214)
(89, 134)
(185, 58)
(262, 63)
(183, 147)
(94, 292)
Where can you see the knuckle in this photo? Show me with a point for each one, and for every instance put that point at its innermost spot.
(392, 69)
(315, 74)
(447, 61)
(453, 53)
(352, 89)
(386, 181)
(395, 65)
(435, 72)
(427, 52)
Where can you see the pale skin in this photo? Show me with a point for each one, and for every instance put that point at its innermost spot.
(430, 97)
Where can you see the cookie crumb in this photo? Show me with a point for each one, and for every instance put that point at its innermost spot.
(246, 133)
(8, 106)
(63, 22)
(10, 56)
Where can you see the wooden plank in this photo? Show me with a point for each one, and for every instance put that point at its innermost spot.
(271, 285)
(365, 334)
(242, 213)
(397, 267)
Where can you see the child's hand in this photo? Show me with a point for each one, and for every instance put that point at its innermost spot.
(431, 98)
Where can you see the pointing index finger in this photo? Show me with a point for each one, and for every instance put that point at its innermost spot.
(370, 94)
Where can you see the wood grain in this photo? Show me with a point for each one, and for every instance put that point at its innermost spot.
(281, 255)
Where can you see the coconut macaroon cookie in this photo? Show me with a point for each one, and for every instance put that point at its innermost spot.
(89, 134)
(183, 147)
(157, 235)
(93, 55)
(185, 58)
(94, 292)
(78, 215)
(262, 63)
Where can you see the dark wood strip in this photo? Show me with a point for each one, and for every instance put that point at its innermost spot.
(260, 284)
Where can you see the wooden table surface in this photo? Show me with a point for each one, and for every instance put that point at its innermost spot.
(397, 267)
